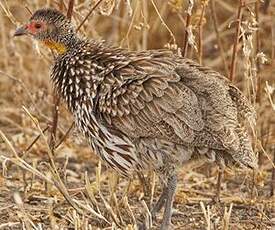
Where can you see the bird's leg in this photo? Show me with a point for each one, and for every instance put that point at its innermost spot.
(171, 189)
(218, 185)
(159, 204)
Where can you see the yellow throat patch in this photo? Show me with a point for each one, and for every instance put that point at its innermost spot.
(58, 47)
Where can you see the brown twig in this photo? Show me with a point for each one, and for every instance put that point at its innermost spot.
(258, 82)
(52, 166)
(218, 185)
(266, 5)
(257, 41)
(61, 5)
(185, 43)
(219, 39)
(44, 130)
(200, 45)
(272, 189)
(53, 127)
(272, 192)
(20, 162)
(236, 42)
(163, 22)
(25, 88)
(28, 9)
(36, 139)
(272, 40)
(70, 9)
(88, 15)
(64, 136)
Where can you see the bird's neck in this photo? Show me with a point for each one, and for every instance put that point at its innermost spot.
(76, 76)
(64, 44)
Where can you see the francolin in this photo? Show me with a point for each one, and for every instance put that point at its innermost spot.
(143, 110)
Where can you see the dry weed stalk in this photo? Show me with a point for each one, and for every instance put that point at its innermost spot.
(257, 51)
(20, 162)
(163, 22)
(187, 25)
(207, 215)
(204, 3)
(219, 39)
(148, 217)
(88, 15)
(76, 204)
(236, 42)
(130, 26)
(226, 217)
(272, 187)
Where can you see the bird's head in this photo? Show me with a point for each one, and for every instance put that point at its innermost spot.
(50, 27)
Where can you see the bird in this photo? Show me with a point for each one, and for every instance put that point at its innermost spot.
(145, 110)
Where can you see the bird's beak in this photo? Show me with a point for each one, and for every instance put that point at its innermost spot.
(21, 31)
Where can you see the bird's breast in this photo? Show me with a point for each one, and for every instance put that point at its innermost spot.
(113, 147)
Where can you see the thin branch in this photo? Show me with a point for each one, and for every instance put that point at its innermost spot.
(188, 22)
(25, 88)
(257, 41)
(20, 162)
(236, 42)
(53, 127)
(200, 45)
(61, 5)
(52, 166)
(163, 22)
(64, 136)
(70, 9)
(130, 27)
(28, 9)
(36, 139)
(220, 44)
(272, 187)
(266, 5)
(88, 15)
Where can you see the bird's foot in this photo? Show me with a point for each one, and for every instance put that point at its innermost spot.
(167, 226)
(142, 226)
(154, 215)
(146, 223)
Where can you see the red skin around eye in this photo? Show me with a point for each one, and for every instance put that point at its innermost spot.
(31, 27)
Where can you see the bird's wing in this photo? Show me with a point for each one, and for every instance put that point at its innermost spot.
(155, 104)
(224, 109)
(175, 99)
(202, 76)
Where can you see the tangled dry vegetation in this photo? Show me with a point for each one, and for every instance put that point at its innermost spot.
(68, 188)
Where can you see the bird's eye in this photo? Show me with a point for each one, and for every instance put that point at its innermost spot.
(37, 25)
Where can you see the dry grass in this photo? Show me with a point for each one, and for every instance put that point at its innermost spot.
(68, 188)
